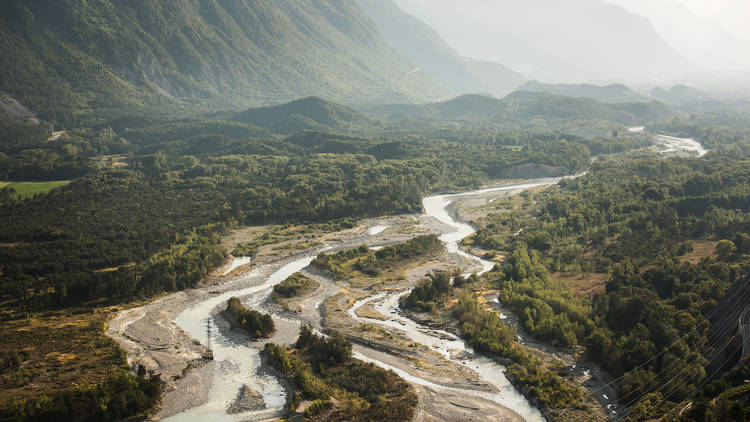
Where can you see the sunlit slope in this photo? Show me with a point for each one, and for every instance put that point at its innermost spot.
(72, 60)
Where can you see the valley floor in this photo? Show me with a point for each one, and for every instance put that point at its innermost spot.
(447, 390)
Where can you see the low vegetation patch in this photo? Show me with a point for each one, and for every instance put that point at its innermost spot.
(294, 286)
(371, 263)
(302, 234)
(437, 286)
(582, 284)
(60, 365)
(341, 388)
(29, 189)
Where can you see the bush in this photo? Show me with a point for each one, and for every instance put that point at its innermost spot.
(255, 323)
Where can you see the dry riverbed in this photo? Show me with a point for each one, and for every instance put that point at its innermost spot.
(151, 338)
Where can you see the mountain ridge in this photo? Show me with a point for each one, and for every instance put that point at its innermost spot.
(613, 93)
(422, 44)
(306, 114)
(560, 41)
(76, 60)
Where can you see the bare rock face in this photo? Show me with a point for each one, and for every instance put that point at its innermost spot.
(14, 110)
(248, 400)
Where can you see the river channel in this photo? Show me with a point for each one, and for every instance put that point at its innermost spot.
(239, 363)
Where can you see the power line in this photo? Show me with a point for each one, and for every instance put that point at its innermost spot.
(699, 387)
(726, 336)
(745, 295)
(738, 296)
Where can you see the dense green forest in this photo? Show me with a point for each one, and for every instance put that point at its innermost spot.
(80, 62)
(343, 389)
(645, 224)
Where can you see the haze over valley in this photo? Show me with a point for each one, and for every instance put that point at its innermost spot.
(374, 210)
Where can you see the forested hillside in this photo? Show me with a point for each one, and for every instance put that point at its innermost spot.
(522, 107)
(146, 144)
(669, 237)
(306, 114)
(538, 112)
(75, 62)
(615, 93)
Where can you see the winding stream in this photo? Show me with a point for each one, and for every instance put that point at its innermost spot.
(674, 144)
(448, 345)
(238, 364)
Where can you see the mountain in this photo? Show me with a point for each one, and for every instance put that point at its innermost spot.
(569, 41)
(76, 60)
(421, 44)
(308, 114)
(681, 94)
(615, 93)
(520, 107)
(707, 43)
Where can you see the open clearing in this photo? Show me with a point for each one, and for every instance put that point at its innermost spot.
(701, 249)
(583, 284)
(29, 189)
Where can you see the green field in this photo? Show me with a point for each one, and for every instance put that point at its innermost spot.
(29, 189)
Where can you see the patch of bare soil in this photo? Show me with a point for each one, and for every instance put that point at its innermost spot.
(701, 249)
(583, 284)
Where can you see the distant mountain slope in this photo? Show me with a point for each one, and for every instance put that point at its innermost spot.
(527, 106)
(421, 44)
(707, 43)
(615, 93)
(311, 113)
(568, 41)
(681, 94)
(72, 59)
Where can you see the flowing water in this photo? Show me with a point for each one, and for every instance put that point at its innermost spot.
(237, 364)
(674, 144)
(443, 342)
(681, 145)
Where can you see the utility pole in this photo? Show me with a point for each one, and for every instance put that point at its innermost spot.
(209, 353)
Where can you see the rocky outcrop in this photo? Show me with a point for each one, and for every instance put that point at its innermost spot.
(247, 400)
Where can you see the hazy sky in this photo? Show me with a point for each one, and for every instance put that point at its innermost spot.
(734, 14)
(550, 40)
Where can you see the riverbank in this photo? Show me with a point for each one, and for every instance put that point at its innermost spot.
(162, 334)
(151, 338)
